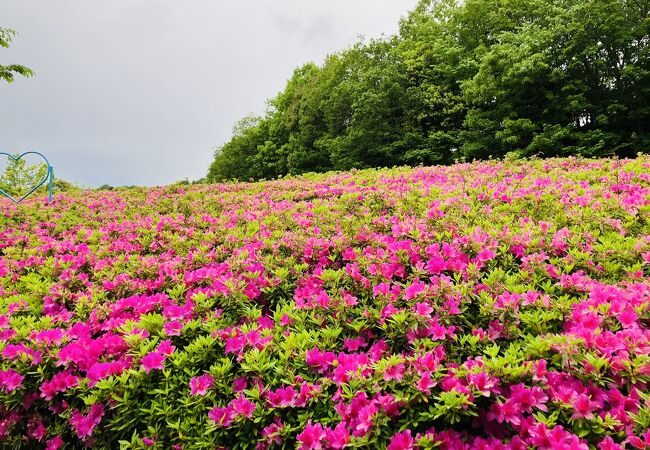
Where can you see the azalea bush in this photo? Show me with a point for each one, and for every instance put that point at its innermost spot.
(485, 305)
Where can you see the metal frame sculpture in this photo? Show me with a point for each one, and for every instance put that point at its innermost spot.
(49, 176)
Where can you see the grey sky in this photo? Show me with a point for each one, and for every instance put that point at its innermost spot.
(140, 91)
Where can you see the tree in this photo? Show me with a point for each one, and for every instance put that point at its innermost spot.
(7, 73)
(571, 77)
(18, 178)
(436, 63)
(234, 159)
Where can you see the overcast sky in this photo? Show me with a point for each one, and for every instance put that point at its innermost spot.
(140, 91)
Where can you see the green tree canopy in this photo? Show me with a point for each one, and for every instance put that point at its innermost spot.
(468, 79)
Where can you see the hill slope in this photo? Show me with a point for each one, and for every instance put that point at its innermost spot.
(473, 303)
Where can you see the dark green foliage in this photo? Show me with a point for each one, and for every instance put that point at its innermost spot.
(473, 79)
(570, 78)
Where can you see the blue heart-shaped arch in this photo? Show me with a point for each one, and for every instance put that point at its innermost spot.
(48, 176)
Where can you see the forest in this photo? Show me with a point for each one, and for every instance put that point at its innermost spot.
(461, 81)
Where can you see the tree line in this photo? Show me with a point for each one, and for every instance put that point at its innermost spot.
(461, 80)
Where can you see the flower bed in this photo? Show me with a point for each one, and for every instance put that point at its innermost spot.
(485, 305)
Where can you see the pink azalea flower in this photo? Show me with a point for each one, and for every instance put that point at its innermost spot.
(509, 411)
(60, 382)
(311, 437)
(539, 370)
(307, 392)
(239, 384)
(55, 443)
(646, 257)
(282, 397)
(556, 438)
(285, 320)
(166, 347)
(436, 264)
(242, 406)
(628, 317)
(414, 289)
(423, 309)
(395, 372)
(437, 332)
(173, 328)
(528, 398)
(389, 405)
(103, 370)
(272, 432)
(84, 425)
(388, 311)
(401, 441)
(200, 385)
(482, 382)
(320, 360)
(486, 254)
(10, 380)
(338, 437)
(355, 344)
(609, 444)
(635, 441)
(236, 344)
(222, 416)
(380, 289)
(583, 407)
(153, 360)
(36, 429)
(364, 420)
(426, 383)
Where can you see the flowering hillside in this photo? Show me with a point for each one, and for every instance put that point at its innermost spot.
(486, 305)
